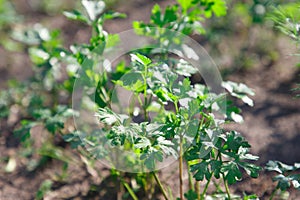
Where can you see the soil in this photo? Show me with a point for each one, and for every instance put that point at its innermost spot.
(272, 126)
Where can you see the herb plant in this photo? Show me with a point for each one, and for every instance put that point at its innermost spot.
(286, 176)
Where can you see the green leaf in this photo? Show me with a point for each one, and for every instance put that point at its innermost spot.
(295, 178)
(250, 197)
(107, 116)
(251, 169)
(142, 143)
(24, 131)
(42, 113)
(38, 56)
(283, 182)
(132, 81)
(131, 78)
(150, 157)
(76, 15)
(32, 36)
(66, 112)
(280, 167)
(240, 91)
(44, 188)
(201, 170)
(113, 15)
(129, 133)
(166, 146)
(185, 69)
(216, 167)
(93, 8)
(232, 172)
(162, 94)
(191, 195)
(54, 123)
(112, 40)
(156, 17)
(170, 14)
(140, 58)
(234, 141)
(236, 117)
(244, 154)
(74, 139)
(120, 70)
(185, 4)
(217, 7)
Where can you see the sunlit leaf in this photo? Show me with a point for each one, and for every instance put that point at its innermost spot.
(93, 8)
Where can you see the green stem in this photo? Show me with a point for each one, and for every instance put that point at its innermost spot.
(140, 100)
(176, 106)
(131, 107)
(223, 177)
(226, 187)
(181, 168)
(273, 193)
(191, 184)
(217, 186)
(206, 186)
(130, 191)
(145, 94)
(198, 190)
(143, 105)
(199, 128)
(160, 185)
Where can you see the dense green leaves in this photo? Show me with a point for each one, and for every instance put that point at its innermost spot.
(24, 131)
(240, 91)
(74, 139)
(168, 114)
(217, 7)
(145, 137)
(281, 167)
(234, 141)
(185, 69)
(185, 4)
(287, 175)
(108, 117)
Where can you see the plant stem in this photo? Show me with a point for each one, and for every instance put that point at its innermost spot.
(273, 193)
(191, 185)
(160, 185)
(226, 187)
(180, 169)
(206, 186)
(198, 190)
(130, 191)
(180, 158)
(223, 177)
(151, 188)
(217, 186)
